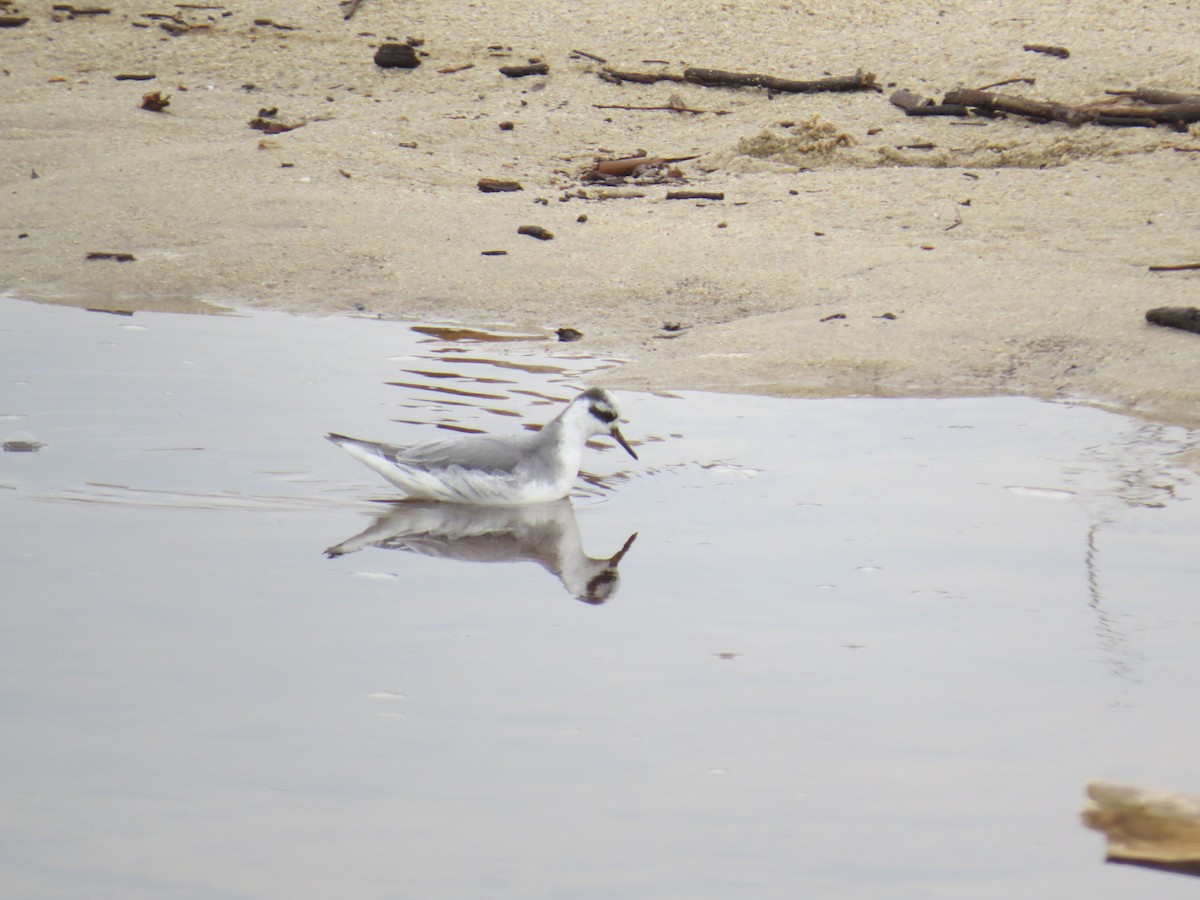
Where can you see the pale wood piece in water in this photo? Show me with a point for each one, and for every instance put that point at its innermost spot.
(1146, 827)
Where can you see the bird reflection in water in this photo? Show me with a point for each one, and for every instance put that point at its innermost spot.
(544, 533)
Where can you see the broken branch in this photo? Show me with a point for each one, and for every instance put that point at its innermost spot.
(1033, 109)
(859, 81)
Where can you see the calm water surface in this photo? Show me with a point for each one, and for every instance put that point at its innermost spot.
(858, 648)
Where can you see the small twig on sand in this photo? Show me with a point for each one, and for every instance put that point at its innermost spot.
(351, 9)
(996, 84)
(859, 81)
(1049, 50)
(651, 108)
(695, 195)
(592, 56)
(1183, 267)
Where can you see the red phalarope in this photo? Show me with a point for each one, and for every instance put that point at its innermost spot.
(498, 470)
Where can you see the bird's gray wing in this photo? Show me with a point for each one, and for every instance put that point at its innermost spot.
(485, 452)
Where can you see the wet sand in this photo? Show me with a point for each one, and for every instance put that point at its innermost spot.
(845, 259)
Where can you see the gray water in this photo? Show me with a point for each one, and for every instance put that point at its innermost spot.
(858, 648)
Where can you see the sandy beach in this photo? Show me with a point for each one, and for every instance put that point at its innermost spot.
(856, 251)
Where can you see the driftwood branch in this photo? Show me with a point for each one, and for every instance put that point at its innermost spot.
(1019, 106)
(859, 81)
(1145, 107)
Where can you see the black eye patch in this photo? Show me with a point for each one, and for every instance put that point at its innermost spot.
(603, 413)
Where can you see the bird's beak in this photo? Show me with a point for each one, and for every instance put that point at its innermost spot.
(620, 439)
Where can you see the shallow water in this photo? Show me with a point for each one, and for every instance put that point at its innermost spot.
(858, 648)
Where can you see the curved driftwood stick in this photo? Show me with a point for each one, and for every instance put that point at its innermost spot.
(1019, 106)
(859, 81)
